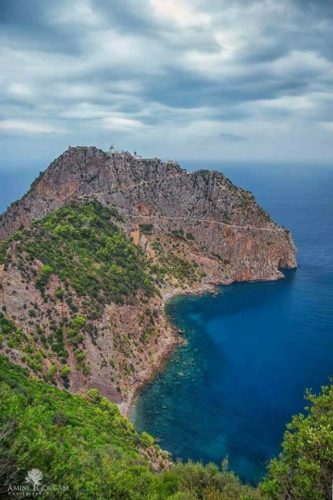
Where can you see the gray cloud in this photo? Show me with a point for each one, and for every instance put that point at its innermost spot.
(165, 76)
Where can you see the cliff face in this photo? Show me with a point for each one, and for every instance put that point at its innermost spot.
(225, 220)
(193, 230)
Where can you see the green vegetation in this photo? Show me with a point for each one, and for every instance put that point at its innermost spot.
(13, 336)
(32, 352)
(305, 469)
(182, 269)
(146, 228)
(178, 233)
(189, 236)
(81, 245)
(44, 274)
(85, 445)
(52, 372)
(78, 322)
(6, 326)
(59, 293)
(65, 371)
(171, 265)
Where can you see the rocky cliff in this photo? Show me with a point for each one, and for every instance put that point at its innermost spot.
(90, 253)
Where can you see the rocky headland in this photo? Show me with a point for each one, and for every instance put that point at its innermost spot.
(91, 253)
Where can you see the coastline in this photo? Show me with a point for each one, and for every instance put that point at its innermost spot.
(173, 339)
(166, 350)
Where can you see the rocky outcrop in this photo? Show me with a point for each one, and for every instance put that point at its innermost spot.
(223, 219)
(195, 230)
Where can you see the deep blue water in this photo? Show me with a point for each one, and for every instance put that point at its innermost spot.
(254, 348)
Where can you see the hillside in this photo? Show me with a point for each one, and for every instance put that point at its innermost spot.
(89, 255)
(85, 449)
(80, 302)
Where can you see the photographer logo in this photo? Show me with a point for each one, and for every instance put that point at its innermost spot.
(34, 486)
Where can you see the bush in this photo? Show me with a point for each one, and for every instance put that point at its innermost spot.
(189, 236)
(43, 276)
(52, 371)
(59, 293)
(6, 326)
(78, 321)
(147, 439)
(146, 228)
(80, 355)
(65, 371)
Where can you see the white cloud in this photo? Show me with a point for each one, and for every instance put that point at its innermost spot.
(302, 61)
(180, 12)
(121, 123)
(19, 90)
(29, 127)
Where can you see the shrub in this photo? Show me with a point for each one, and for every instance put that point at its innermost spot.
(43, 276)
(52, 371)
(6, 326)
(80, 356)
(78, 321)
(147, 439)
(146, 228)
(59, 293)
(178, 233)
(65, 371)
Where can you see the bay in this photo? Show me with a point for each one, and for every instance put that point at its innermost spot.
(254, 348)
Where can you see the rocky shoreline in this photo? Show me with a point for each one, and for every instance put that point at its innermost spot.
(165, 352)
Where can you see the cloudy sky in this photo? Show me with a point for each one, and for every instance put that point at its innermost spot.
(206, 79)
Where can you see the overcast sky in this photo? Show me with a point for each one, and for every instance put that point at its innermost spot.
(205, 79)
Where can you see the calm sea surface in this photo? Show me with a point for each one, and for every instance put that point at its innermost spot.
(254, 348)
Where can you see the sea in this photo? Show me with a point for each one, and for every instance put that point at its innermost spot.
(254, 348)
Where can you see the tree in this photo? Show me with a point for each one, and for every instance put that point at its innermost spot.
(305, 468)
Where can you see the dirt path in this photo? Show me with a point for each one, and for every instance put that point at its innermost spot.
(210, 221)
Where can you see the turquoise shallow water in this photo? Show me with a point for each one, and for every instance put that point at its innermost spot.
(254, 348)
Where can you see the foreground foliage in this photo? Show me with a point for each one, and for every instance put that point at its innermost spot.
(86, 445)
(305, 468)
